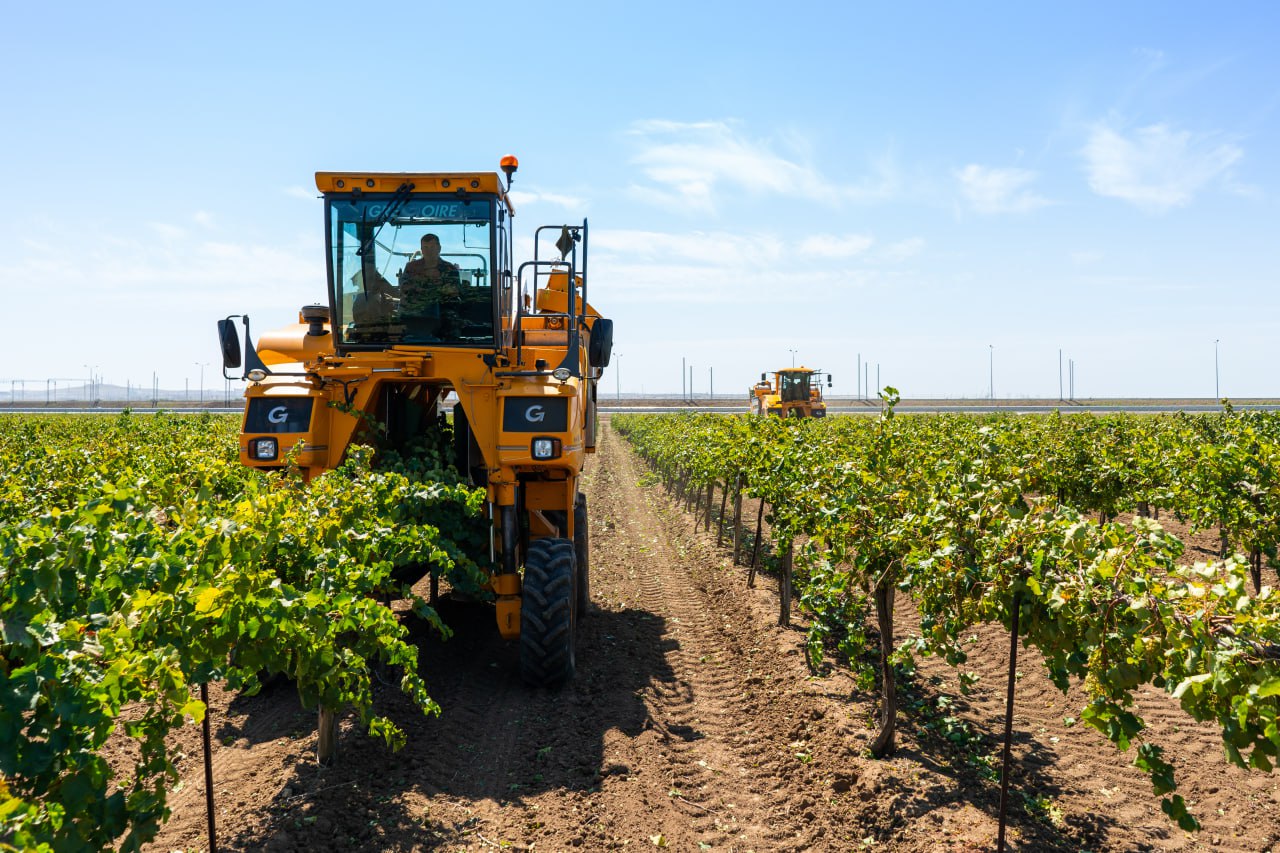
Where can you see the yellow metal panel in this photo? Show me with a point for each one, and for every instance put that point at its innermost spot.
(423, 182)
(546, 338)
(506, 584)
(544, 494)
(540, 527)
(508, 612)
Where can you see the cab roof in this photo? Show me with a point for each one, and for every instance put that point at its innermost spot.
(423, 182)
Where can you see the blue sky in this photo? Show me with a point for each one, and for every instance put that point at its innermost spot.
(944, 188)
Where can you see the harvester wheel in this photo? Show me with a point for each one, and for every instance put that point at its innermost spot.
(546, 613)
(582, 554)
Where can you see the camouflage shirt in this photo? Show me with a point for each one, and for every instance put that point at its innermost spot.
(424, 289)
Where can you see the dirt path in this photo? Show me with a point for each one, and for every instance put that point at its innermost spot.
(693, 724)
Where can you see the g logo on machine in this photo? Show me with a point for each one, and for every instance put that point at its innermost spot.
(535, 414)
(276, 415)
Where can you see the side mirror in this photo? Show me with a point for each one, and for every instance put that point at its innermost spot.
(828, 381)
(230, 342)
(763, 378)
(600, 350)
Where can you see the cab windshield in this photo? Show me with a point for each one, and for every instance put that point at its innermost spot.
(795, 387)
(412, 272)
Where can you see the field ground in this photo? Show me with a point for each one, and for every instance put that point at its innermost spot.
(694, 724)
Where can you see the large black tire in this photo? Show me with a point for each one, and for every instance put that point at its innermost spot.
(582, 554)
(547, 613)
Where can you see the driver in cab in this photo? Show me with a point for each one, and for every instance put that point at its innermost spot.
(429, 283)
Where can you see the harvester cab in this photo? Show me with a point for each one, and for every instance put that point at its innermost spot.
(431, 325)
(794, 392)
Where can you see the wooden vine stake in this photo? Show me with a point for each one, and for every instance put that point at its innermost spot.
(755, 554)
(1008, 718)
(784, 587)
(724, 498)
(208, 770)
(737, 522)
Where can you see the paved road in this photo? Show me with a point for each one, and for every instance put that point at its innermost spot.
(971, 409)
(933, 408)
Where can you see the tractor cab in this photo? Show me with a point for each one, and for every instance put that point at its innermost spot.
(794, 392)
(418, 269)
(796, 385)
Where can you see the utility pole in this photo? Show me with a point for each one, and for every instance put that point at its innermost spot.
(866, 381)
(859, 395)
(878, 385)
(1217, 392)
(1060, 373)
(203, 365)
(991, 366)
(793, 357)
(691, 383)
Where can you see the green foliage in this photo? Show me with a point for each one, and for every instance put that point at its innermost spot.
(962, 513)
(140, 559)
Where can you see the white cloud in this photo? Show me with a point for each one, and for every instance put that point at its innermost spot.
(994, 190)
(727, 268)
(902, 250)
(1155, 168)
(719, 249)
(180, 267)
(831, 246)
(686, 165)
(167, 231)
(522, 199)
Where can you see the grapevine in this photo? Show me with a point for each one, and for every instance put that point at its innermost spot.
(140, 558)
(968, 514)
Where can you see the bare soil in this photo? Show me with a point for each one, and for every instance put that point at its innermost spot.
(695, 724)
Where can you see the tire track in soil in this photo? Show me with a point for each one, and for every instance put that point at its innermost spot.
(696, 710)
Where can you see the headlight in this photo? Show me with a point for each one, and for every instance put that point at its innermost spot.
(256, 375)
(545, 448)
(263, 448)
(562, 373)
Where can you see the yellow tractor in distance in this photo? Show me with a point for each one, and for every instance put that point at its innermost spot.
(795, 392)
(426, 302)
